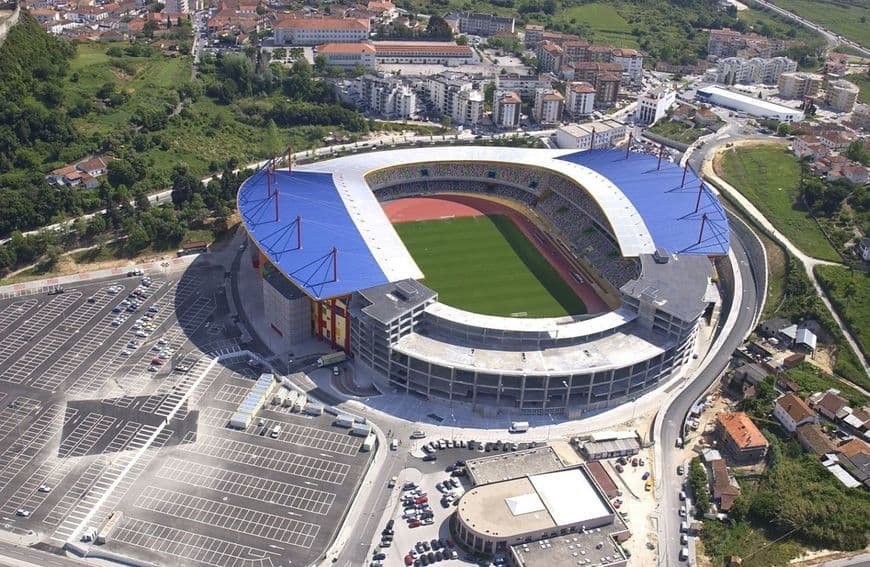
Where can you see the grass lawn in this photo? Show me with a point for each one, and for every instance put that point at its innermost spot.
(863, 82)
(769, 176)
(840, 16)
(502, 273)
(850, 293)
(678, 131)
(608, 26)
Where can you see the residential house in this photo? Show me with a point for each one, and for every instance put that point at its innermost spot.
(725, 489)
(507, 107)
(792, 412)
(548, 107)
(799, 338)
(814, 440)
(581, 99)
(828, 403)
(741, 439)
(854, 447)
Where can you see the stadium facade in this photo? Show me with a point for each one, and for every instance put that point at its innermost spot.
(640, 230)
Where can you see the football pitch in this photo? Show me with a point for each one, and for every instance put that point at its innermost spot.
(487, 265)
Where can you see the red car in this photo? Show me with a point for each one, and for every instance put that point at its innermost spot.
(156, 362)
(619, 468)
(415, 524)
(421, 500)
(409, 560)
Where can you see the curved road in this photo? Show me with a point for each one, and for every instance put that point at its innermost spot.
(668, 485)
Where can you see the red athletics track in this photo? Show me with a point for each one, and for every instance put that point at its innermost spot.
(434, 208)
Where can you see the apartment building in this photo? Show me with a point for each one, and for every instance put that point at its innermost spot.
(481, 24)
(607, 89)
(631, 61)
(317, 31)
(741, 438)
(387, 96)
(549, 56)
(729, 43)
(455, 96)
(507, 107)
(842, 95)
(580, 100)
(734, 70)
(523, 85)
(177, 7)
(534, 33)
(548, 107)
(799, 85)
(591, 135)
(653, 104)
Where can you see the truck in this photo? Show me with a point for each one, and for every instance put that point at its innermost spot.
(314, 408)
(331, 358)
(361, 430)
(301, 400)
(279, 397)
(343, 420)
(519, 427)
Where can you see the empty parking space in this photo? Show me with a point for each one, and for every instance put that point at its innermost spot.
(228, 516)
(14, 311)
(85, 435)
(188, 546)
(341, 443)
(312, 468)
(16, 413)
(248, 486)
(34, 324)
(22, 451)
(232, 394)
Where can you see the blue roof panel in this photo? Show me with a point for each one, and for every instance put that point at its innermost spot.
(670, 207)
(314, 240)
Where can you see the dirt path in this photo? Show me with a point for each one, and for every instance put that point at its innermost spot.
(446, 206)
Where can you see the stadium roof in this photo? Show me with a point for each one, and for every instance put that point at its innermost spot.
(331, 236)
(328, 239)
(666, 202)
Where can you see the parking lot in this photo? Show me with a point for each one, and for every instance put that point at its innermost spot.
(92, 374)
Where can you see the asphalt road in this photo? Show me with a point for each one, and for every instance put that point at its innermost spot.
(832, 38)
(675, 413)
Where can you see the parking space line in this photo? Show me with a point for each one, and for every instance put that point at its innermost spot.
(204, 549)
(16, 413)
(341, 443)
(267, 458)
(15, 311)
(35, 324)
(228, 516)
(19, 454)
(248, 486)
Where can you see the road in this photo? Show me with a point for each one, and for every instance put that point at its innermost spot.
(675, 411)
(832, 38)
(14, 556)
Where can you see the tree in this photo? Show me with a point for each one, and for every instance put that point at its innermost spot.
(445, 123)
(462, 40)
(150, 27)
(96, 226)
(438, 28)
(184, 185)
(137, 239)
(320, 64)
(120, 172)
(856, 152)
(783, 129)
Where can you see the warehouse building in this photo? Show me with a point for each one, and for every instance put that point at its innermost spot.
(750, 105)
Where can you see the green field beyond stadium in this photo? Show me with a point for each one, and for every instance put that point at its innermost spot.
(485, 264)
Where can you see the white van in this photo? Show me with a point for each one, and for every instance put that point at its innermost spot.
(394, 445)
(519, 427)
(684, 553)
(684, 527)
(275, 431)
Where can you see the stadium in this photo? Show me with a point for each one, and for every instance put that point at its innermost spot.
(513, 280)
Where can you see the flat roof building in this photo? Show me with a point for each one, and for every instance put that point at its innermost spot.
(750, 105)
(491, 518)
(504, 466)
(316, 31)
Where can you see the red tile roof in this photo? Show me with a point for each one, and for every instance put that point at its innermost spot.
(739, 427)
(795, 407)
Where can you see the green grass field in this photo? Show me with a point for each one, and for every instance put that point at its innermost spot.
(769, 176)
(608, 25)
(850, 293)
(486, 265)
(840, 16)
(863, 83)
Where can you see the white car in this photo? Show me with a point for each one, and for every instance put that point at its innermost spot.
(125, 352)
(153, 368)
(44, 488)
(141, 334)
(22, 512)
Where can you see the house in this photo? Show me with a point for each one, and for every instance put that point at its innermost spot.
(771, 327)
(854, 447)
(83, 173)
(725, 490)
(792, 412)
(741, 439)
(814, 440)
(828, 403)
(799, 338)
(747, 376)
(864, 249)
(95, 166)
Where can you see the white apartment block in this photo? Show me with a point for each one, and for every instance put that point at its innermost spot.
(177, 7)
(734, 70)
(653, 104)
(581, 99)
(631, 61)
(387, 96)
(456, 97)
(799, 85)
(592, 135)
(524, 85)
(549, 105)
(842, 95)
(507, 107)
(317, 31)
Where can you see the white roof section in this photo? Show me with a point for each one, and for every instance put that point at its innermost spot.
(617, 350)
(349, 173)
(382, 239)
(749, 100)
(569, 497)
(524, 504)
(554, 327)
(843, 476)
